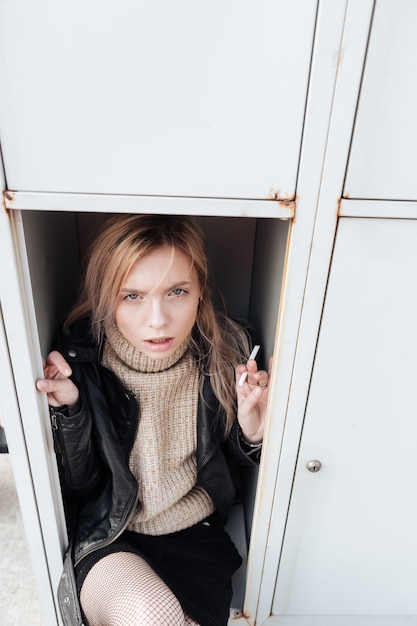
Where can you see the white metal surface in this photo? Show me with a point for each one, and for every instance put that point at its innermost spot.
(25, 416)
(383, 161)
(342, 620)
(177, 98)
(75, 138)
(107, 203)
(17, 446)
(350, 545)
(378, 208)
(338, 56)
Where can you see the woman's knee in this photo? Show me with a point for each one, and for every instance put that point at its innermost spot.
(123, 590)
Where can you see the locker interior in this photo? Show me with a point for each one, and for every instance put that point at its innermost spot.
(247, 263)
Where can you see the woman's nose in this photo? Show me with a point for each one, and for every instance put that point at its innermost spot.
(157, 314)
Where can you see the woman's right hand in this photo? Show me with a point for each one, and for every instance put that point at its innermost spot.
(56, 383)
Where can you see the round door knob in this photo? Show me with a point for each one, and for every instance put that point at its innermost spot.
(314, 466)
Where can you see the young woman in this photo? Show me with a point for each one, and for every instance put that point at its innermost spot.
(147, 410)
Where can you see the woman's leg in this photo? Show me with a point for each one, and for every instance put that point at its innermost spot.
(123, 590)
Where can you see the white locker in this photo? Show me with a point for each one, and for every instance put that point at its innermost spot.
(276, 125)
(349, 550)
(181, 143)
(165, 98)
(383, 159)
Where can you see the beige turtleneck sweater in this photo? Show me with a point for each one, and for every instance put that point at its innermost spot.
(163, 458)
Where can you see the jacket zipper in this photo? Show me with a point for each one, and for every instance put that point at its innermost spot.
(124, 524)
(110, 540)
(55, 426)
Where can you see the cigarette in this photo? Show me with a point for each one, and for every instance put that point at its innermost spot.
(245, 374)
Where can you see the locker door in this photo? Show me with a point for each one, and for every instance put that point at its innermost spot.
(350, 547)
(30, 500)
(159, 98)
(383, 159)
(26, 416)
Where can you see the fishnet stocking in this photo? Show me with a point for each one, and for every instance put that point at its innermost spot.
(123, 590)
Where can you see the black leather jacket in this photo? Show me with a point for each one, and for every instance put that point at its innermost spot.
(93, 449)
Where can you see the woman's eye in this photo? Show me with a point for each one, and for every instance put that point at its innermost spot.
(178, 291)
(131, 296)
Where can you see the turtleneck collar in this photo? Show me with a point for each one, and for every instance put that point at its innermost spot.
(137, 360)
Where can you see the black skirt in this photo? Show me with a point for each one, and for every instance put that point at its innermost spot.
(196, 564)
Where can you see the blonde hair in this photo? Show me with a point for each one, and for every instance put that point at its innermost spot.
(218, 342)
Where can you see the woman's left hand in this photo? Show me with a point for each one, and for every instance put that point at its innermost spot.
(252, 400)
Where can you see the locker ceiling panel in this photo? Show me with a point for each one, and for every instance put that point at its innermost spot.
(161, 98)
(383, 160)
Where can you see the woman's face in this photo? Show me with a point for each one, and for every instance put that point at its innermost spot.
(157, 305)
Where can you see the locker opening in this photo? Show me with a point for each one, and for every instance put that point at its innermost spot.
(246, 257)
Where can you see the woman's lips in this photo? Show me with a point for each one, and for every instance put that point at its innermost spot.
(159, 344)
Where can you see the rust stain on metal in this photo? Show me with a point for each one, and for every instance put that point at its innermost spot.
(286, 202)
(5, 199)
(275, 194)
(8, 197)
(339, 206)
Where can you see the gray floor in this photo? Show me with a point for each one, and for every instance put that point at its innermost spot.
(19, 603)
